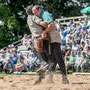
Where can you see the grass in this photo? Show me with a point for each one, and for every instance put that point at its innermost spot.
(57, 72)
(3, 74)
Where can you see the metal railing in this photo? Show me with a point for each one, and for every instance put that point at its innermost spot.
(16, 44)
(64, 21)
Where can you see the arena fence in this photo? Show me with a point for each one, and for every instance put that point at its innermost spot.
(16, 44)
(64, 21)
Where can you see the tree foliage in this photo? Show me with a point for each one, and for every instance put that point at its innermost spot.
(12, 12)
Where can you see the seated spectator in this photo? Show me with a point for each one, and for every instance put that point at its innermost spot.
(82, 46)
(60, 27)
(87, 51)
(67, 55)
(63, 48)
(30, 52)
(78, 26)
(83, 31)
(32, 61)
(84, 62)
(71, 62)
(14, 58)
(69, 40)
(11, 47)
(2, 59)
(85, 23)
(83, 39)
(86, 44)
(75, 47)
(8, 67)
(78, 61)
(77, 38)
(19, 65)
(24, 40)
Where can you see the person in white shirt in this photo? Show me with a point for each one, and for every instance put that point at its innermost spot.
(69, 40)
(86, 44)
(83, 39)
(75, 47)
(24, 40)
(78, 61)
(84, 62)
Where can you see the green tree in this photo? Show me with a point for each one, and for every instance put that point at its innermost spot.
(12, 12)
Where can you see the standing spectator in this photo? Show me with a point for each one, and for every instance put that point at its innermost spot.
(2, 52)
(30, 42)
(71, 23)
(19, 52)
(69, 40)
(26, 61)
(68, 26)
(24, 40)
(82, 46)
(87, 51)
(62, 37)
(80, 22)
(61, 27)
(86, 44)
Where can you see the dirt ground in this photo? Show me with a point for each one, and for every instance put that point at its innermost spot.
(25, 82)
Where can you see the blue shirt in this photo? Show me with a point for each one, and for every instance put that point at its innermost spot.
(65, 33)
(14, 59)
(10, 65)
(31, 59)
(47, 17)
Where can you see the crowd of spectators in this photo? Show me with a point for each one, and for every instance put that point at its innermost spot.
(12, 60)
(76, 45)
(75, 48)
